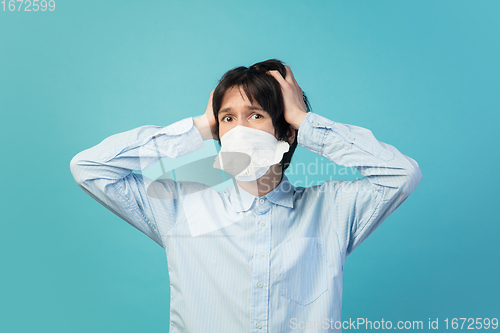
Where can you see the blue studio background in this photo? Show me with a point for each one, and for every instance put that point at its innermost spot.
(423, 76)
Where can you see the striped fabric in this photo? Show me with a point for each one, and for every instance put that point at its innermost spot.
(239, 263)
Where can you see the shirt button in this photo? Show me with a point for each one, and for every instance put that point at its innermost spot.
(261, 254)
(315, 123)
(258, 325)
(352, 138)
(262, 223)
(260, 285)
(261, 201)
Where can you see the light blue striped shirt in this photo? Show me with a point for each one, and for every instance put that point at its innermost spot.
(239, 263)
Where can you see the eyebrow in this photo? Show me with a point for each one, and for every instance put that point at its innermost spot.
(252, 107)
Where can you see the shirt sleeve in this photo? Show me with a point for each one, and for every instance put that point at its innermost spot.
(105, 171)
(359, 206)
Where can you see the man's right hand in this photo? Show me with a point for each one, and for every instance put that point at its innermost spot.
(206, 124)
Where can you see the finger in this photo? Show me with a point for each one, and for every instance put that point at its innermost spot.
(289, 75)
(278, 77)
(211, 97)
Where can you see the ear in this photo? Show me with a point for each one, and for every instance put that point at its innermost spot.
(291, 135)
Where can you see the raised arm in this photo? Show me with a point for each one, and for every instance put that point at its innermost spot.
(359, 206)
(105, 170)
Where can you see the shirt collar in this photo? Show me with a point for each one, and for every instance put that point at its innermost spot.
(281, 195)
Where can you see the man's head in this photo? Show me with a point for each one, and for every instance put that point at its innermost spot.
(250, 97)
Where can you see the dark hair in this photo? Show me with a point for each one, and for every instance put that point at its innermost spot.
(266, 91)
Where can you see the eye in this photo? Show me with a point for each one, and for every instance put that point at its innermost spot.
(256, 116)
(226, 119)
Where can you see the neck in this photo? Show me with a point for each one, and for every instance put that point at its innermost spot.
(264, 184)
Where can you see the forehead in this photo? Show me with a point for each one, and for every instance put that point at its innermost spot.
(236, 99)
(236, 94)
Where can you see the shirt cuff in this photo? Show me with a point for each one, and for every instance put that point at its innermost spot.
(312, 132)
(182, 134)
(179, 127)
(316, 131)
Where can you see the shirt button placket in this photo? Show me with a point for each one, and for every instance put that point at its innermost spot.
(260, 275)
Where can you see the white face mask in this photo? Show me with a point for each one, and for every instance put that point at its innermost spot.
(248, 153)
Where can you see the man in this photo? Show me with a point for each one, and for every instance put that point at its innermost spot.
(263, 255)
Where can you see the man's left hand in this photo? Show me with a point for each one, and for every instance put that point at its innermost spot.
(295, 108)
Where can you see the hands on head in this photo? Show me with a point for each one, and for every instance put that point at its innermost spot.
(294, 113)
(295, 108)
(206, 124)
